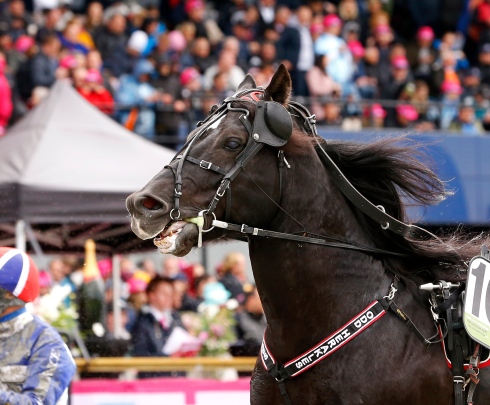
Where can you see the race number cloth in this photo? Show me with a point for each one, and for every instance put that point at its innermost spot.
(476, 315)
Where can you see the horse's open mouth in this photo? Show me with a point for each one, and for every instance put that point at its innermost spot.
(176, 238)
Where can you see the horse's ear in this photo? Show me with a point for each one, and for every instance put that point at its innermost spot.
(279, 88)
(247, 83)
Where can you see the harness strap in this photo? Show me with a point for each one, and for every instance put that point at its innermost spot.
(299, 238)
(362, 203)
(206, 165)
(408, 322)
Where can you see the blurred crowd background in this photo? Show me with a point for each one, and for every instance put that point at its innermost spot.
(170, 307)
(156, 66)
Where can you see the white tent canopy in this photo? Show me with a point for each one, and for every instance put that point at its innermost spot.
(65, 163)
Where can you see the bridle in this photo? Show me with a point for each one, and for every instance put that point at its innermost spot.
(273, 126)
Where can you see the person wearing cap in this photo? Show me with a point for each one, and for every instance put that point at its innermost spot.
(422, 54)
(451, 93)
(376, 115)
(399, 77)
(36, 366)
(6, 105)
(92, 89)
(406, 115)
(339, 66)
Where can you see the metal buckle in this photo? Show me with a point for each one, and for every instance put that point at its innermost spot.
(242, 229)
(391, 294)
(222, 192)
(205, 165)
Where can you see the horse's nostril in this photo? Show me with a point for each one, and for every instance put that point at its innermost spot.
(151, 204)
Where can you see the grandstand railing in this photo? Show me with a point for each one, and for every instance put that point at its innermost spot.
(121, 364)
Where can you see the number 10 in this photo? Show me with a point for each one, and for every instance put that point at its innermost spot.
(479, 273)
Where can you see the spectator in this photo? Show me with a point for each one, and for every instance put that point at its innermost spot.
(155, 322)
(422, 54)
(51, 18)
(383, 36)
(450, 102)
(111, 42)
(233, 275)
(205, 27)
(74, 38)
(199, 56)
(377, 115)
(95, 17)
(332, 114)
(95, 93)
(406, 116)
(466, 122)
(45, 63)
(226, 63)
(286, 38)
(136, 90)
(400, 76)
(242, 42)
(339, 66)
(171, 105)
(251, 324)
(471, 82)
(183, 301)
(321, 86)
(17, 20)
(484, 63)
(6, 105)
(306, 56)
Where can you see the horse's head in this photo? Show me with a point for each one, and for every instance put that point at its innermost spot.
(220, 171)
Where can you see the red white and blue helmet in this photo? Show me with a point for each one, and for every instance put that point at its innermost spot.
(18, 274)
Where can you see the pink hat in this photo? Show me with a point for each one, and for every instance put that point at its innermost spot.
(45, 279)
(425, 33)
(331, 20)
(192, 5)
(316, 28)
(189, 74)
(93, 76)
(105, 265)
(23, 43)
(136, 285)
(450, 86)
(378, 111)
(68, 62)
(382, 29)
(407, 111)
(177, 40)
(356, 49)
(400, 62)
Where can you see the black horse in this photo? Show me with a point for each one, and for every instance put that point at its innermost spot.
(260, 175)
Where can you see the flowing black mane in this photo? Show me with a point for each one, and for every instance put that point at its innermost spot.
(386, 170)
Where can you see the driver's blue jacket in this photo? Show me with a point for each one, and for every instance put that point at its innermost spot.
(36, 366)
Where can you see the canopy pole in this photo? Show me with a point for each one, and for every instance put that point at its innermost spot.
(116, 296)
(20, 235)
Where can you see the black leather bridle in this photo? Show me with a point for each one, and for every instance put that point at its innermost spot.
(263, 131)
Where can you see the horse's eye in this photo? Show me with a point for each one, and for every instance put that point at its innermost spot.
(233, 144)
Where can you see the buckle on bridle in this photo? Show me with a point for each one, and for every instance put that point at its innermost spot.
(205, 165)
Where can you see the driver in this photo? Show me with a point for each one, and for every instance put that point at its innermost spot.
(36, 366)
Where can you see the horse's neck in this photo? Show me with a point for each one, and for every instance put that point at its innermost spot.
(309, 291)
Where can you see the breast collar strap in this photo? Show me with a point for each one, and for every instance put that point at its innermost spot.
(363, 320)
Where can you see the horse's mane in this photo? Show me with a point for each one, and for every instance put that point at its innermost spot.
(385, 171)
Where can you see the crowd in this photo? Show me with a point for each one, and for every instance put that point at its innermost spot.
(176, 309)
(150, 63)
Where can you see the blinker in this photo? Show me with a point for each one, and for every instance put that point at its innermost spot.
(272, 123)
